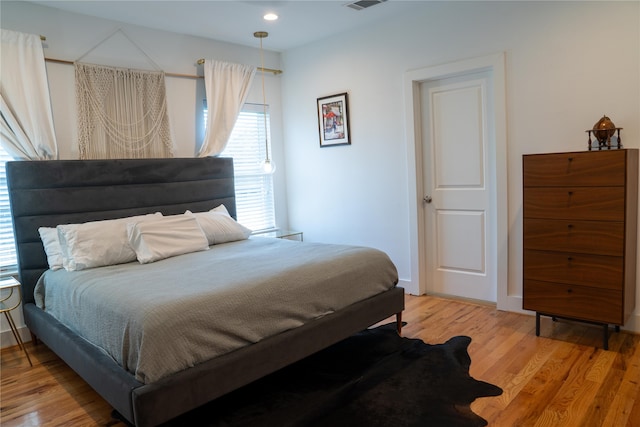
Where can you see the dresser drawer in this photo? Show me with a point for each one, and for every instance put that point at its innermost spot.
(578, 302)
(586, 203)
(590, 237)
(595, 168)
(581, 269)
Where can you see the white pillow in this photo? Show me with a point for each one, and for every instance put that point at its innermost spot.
(219, 227)
(51, 243)
(98, 243)
(221, 209)
(170, 236)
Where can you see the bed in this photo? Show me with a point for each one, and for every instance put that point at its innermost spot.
(51, 193)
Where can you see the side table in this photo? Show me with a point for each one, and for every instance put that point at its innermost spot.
(11, 284)
(283, 234)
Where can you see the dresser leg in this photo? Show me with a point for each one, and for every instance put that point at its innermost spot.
(537, 324)
(605, 343)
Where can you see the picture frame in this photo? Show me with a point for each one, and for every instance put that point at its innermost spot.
(333, 120)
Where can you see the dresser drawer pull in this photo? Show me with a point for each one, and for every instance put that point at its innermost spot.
(569, 290)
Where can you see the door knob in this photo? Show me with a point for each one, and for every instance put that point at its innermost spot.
(427, 199)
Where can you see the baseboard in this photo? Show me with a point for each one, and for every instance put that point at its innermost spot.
(7, 339)
(633, 324)
(407, 285)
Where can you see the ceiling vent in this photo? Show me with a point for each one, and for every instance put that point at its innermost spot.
(363, 4)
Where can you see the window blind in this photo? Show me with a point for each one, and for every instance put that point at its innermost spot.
(254, 188)
(8, 260)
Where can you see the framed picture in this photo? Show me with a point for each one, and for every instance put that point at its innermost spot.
(333, 120)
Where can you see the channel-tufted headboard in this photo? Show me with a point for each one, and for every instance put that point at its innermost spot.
(49, 193)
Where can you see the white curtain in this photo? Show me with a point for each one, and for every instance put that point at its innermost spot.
(122, 113)
(227, 86)
(26, 118)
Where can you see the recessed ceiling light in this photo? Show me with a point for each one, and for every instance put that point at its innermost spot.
(270, 17)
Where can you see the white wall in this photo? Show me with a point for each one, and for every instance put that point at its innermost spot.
(567, 64)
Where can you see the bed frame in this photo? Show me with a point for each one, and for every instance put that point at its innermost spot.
(48, 193)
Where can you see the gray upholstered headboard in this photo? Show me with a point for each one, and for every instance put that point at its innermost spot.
(48, 193)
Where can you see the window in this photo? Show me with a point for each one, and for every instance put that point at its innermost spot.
(8, 261)
(254, 188)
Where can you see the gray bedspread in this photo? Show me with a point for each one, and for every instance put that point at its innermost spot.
(159, 318)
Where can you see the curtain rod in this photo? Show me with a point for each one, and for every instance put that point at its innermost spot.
(264, 70)
(186, 76)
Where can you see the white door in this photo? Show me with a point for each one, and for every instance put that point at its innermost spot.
(459, 185)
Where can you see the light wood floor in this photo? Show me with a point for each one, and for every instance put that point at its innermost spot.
(562, 378)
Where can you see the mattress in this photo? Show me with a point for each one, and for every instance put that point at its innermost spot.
(160, 318)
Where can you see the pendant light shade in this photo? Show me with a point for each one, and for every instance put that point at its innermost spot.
(267, 165)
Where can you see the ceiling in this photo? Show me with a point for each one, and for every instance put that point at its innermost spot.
(300, 22)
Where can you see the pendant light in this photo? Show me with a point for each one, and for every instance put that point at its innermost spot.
(267, 165)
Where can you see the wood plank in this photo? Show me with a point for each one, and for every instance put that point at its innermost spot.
(559, 379)
(619, 413)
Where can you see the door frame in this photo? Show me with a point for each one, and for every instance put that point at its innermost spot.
(418, 248)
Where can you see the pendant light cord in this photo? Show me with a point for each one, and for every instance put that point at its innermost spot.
(264, 101)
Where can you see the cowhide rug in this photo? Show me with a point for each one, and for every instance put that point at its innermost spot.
(374, 379)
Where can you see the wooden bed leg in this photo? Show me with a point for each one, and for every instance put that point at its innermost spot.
(399, 323)
(34, 338)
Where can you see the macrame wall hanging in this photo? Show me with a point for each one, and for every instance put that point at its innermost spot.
(122, 113)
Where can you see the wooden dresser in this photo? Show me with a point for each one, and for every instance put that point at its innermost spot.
(579, 236)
